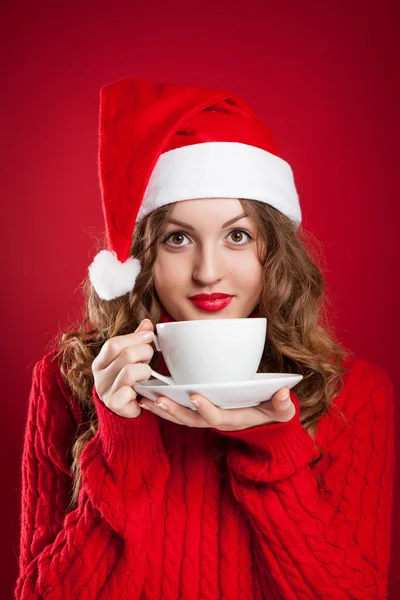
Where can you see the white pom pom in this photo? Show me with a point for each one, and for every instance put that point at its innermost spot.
(111, 278)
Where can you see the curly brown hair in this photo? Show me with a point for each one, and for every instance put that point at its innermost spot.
(300, 338)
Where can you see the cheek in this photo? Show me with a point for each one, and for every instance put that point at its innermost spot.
(166, 273)
(248, 270)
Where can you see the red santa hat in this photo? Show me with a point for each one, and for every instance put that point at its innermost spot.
(163, 142)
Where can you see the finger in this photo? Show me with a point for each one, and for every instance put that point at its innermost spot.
(183, 415)
(123, 366)
(146, 325)
(281, 399)
(216, 417)
(129, 375)
(150, 406)
(283, 404)
(113, 346)
(123, 403)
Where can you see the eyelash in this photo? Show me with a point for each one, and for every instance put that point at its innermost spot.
(181, 232)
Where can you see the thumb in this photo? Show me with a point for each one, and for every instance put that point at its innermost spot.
(145, 325)
(282, 399)
(283, 405)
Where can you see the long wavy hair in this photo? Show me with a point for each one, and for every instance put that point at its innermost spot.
(300, 337)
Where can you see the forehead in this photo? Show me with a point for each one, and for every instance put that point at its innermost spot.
(219, 208)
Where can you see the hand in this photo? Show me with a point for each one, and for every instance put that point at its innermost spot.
(122, 361)
(277, 410)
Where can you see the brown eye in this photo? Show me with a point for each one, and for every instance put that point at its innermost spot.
(176, 235)
(238, 233)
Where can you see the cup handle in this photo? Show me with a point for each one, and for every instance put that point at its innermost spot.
(163, 378)
(156, 343)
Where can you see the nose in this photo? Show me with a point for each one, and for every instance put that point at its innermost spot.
(208, 265)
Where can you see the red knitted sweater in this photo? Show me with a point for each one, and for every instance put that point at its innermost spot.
(159, 518)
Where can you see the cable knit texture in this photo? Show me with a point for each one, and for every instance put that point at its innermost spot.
(159, 518)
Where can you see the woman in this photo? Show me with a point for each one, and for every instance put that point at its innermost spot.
(290, 499)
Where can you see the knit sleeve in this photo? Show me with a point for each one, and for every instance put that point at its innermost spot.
(332, 540)
(97, 549)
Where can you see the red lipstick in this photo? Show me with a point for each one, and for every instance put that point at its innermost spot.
(211, 302)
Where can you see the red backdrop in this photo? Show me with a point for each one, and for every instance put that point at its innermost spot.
(321, 75)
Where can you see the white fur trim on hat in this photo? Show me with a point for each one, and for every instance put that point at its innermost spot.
(221, 170)
(111, 278)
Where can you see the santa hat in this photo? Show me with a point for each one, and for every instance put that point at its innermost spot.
(161, 143)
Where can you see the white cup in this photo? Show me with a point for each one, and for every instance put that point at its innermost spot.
(212, 350)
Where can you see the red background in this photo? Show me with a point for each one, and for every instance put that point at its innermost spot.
(322, 76)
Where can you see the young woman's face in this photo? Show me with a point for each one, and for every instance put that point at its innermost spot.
(203, 257)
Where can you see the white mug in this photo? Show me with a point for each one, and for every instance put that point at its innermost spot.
(212, 350)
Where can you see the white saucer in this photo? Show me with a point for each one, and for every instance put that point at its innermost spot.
(241, 394)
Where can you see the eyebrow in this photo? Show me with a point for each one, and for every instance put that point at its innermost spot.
(176, 222)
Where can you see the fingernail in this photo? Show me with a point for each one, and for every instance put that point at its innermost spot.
(146, 335)
(161, 405)
(195, 402)
(285, 397)
(144, 406)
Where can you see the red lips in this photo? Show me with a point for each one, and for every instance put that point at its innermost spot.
(215, 296)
